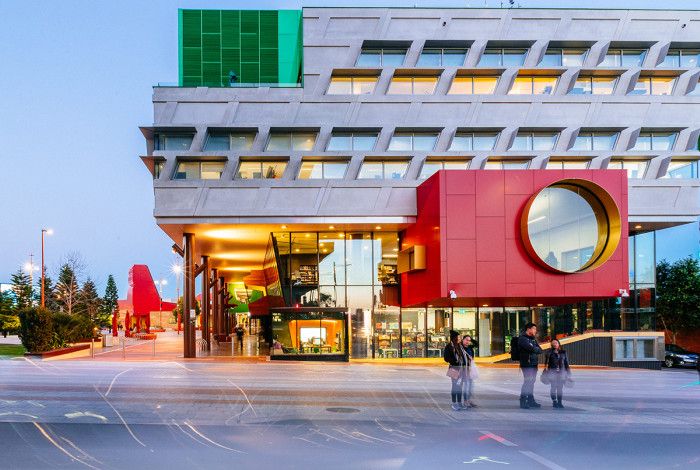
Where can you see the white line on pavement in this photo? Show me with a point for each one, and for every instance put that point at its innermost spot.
(538, 458)
(114, 379)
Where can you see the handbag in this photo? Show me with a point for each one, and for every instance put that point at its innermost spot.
(545, 377)
(453, 372)
(473, 371)
(569, 382)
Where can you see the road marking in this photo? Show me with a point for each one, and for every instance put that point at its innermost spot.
(497, 438)
(485, 459)
(16, 413)
(209, 440)
(538, 458)
(121, 418)
(80, 414)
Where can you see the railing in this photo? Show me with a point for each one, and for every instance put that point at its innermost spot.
(233, 85)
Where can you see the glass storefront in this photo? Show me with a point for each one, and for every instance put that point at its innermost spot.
(309, 334)
(357, 271)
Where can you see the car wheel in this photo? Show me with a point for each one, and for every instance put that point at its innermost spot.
(668, 362)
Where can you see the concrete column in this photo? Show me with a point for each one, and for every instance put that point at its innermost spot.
(214, 279)
(205, 302)
(188, 300)
(224, 310)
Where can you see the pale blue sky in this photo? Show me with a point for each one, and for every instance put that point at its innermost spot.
(75, 84)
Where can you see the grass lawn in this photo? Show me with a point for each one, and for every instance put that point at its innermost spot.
(11, 350)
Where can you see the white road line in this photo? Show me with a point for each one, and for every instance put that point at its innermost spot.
(538, 458)
(497, 438)
(59, 447)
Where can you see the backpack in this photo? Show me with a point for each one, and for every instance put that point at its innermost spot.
(514, 349)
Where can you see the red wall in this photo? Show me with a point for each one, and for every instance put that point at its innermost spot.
(469, 221)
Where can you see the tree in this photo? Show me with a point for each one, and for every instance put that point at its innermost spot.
(678, 295)
(110, 302)
(50, 299)
(88, 302)
(67, 289)
(22, 287)
(36, 329)
(9, 322)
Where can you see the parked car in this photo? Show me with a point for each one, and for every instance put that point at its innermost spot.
(679, 357)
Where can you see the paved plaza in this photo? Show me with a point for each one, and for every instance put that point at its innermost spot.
(187, 414)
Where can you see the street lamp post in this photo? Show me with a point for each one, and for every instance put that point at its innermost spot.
(44, 232)
(161, 283)
(177, 270)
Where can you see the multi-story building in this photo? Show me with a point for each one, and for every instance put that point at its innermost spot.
(405, 171)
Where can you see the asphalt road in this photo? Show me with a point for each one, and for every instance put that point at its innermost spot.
(82, 414)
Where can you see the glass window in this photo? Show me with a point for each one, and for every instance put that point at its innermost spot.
(352, 141)
(534, 141)
(291, 141)
(689, 58)
(413, 332)
(635, 168)
(624, 58)
(595, 141)
(567, 165)
(379, 57)
(594, 86)
(644, 262)
(412, 86)
(563, 227)
(383, 170)
(672, 59)
(564, 57)
(158, 166)
(654, 86)
(430, 167)
(173, 141)
(199, 170)
(435, 57)
(217, 142)
(473, 85)
(358, 258)
(695, 91)
(635, 349)
(408, 141)
(533, 86)
(251, 170)
(464, 321)
(655, 141)
(351, 85)
(502, 57)
(507, 165)
(469, 141)
(322, 170)
(386, 332)
(682, 169)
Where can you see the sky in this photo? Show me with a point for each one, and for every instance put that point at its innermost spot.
(76, 81)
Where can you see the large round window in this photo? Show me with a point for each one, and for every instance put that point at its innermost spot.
(571, 226)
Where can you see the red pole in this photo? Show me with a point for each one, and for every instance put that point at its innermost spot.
(43, 269)
(179, 322)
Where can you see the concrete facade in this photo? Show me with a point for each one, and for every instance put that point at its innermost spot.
(333, 40)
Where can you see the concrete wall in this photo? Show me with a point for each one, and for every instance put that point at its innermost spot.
(333, 38)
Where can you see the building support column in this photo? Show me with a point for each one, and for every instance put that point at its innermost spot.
(205, 302)
(188, 301)
(224, 307)
(214, 287)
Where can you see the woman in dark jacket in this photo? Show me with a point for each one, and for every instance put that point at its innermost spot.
(468, 345)
(454, 355)
(558, 372)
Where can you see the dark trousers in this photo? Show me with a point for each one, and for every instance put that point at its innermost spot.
(556, 388)
(456, 391)
(529, 377)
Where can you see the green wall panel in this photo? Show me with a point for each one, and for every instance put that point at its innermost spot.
(260, 46)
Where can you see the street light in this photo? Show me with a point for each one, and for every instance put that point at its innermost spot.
(44, 232)
(30, 268)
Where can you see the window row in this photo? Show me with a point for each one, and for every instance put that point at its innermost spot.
(486, 85)
(410, 141)
(434, 55)
(378, 169)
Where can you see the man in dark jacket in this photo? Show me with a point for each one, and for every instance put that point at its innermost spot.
(529, 350)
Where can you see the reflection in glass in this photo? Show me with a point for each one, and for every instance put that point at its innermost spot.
(563, 227)
(413, 332)
(438, 330)
(682, 169)
(261, 169)
(387, 332)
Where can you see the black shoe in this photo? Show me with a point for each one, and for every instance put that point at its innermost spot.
(533, 404)
(524, 403)
(559, 405)
(554, 404)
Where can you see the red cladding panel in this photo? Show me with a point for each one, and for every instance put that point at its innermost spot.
(469, 222)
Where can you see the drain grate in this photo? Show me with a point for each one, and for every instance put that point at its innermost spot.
(342, 410)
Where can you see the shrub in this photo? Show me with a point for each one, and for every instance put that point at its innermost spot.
(36, 329)
(9, 324)
(71, 328)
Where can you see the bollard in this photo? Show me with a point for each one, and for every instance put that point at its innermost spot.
(92, 347)
(154, 347)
